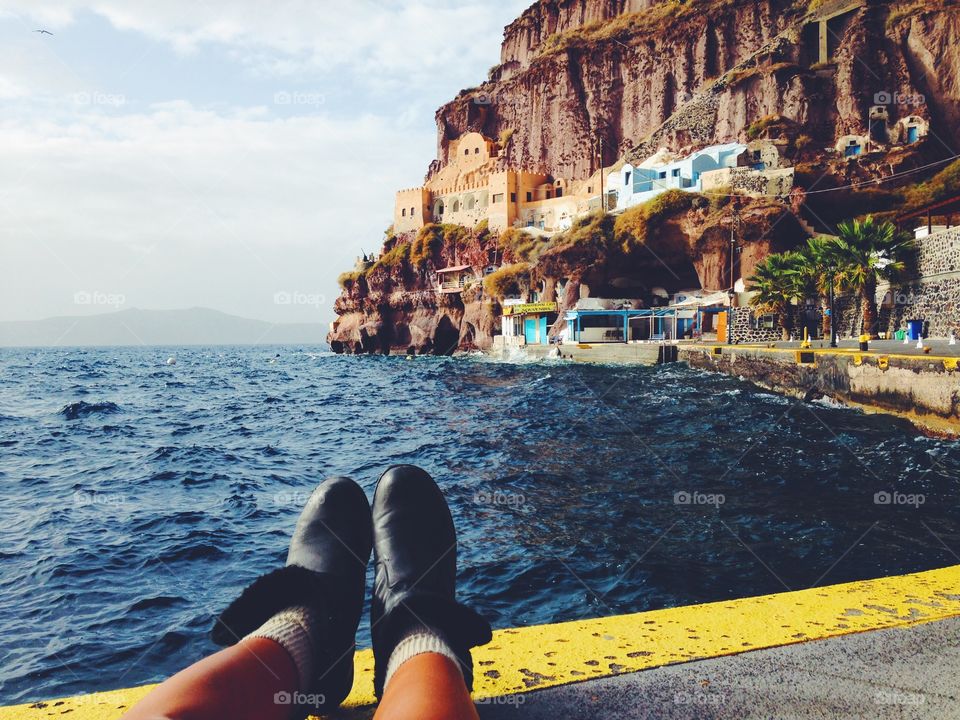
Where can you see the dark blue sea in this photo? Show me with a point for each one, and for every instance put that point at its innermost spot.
(138, 498)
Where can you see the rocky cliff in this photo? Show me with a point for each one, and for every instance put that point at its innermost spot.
(645, 74)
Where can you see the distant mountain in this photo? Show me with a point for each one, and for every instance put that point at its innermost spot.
(194, 326)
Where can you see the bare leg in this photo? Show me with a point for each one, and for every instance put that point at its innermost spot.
(239, 682)
(426, 687)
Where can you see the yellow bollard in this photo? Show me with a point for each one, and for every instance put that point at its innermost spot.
(805, 345)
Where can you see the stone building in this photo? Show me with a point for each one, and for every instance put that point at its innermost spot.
(474, 186)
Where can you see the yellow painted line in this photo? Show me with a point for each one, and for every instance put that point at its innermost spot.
(540, 656)
(828, 351)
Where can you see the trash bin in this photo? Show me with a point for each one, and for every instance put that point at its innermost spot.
(899, 335)
(915, 329)
(864, 343)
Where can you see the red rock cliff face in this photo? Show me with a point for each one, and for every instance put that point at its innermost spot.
(642, 74)
(655, 75)
(523, 37)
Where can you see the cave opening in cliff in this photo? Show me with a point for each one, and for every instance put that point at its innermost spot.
(446, 337)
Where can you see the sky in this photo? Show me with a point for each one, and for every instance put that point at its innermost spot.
(234, 155)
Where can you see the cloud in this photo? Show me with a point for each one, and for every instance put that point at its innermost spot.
(181, 206)
(381, 41)
(232, 189)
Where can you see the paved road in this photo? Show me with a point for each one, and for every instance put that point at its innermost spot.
(908, 672)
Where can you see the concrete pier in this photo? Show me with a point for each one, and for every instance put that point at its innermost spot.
(878, 648)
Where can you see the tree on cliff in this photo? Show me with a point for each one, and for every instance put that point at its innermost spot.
(866, 252)
(775, 283)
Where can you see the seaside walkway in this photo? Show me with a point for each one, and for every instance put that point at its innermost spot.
(883, 648)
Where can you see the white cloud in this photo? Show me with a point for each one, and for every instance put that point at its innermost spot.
(181, 203)
(181, 206)
(382, 41)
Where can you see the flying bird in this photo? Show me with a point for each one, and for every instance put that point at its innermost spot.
(44, 32)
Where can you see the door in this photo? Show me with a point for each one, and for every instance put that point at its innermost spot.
(913, 134)
(543, 331)
(530, 331)
(721, 327)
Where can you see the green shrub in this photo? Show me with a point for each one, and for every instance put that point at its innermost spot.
(636, 226)
(767, 125)
(508, 280)
(944, 184)
(394, 257)
(803, 142)
(346, 279)
(522, 245)
(595, 229)
(505, 136)
(455, 235)
(482, 228)
(426, 244)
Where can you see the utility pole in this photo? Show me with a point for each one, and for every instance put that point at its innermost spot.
(603, 198)
(833, 319)
(731, 293)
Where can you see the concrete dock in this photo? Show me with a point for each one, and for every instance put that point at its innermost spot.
(882, 648)
(906, 672)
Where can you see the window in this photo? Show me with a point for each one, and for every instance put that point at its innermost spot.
(513, 197)
(529, 197)
(764, 322)
(663, 175)
(626, 178)
(467, 151)
(559, 192)
(497, 198)
(476, 151)
(403, 213)
(411, 211)
(676, 172)
(589, 188)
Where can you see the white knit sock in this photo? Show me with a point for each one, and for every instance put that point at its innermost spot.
(418, 641)
(293, 628)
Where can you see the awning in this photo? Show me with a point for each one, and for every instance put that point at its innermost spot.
(717, 298)
(457, 268)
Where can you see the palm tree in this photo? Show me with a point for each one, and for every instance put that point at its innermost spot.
(821, 260)
(868, 251)
(775, 283)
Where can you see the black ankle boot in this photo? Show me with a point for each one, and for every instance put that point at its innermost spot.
(325, 571)
(415, 551)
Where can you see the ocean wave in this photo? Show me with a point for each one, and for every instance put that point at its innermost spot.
(80, 409)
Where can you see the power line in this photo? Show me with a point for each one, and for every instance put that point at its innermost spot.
(862, 183)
